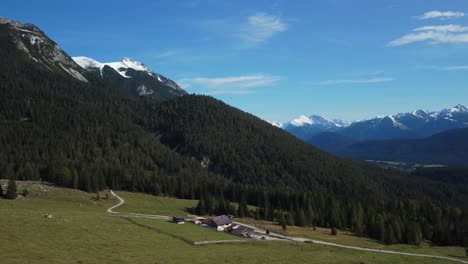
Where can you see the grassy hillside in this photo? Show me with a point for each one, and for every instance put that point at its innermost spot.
(81, 232)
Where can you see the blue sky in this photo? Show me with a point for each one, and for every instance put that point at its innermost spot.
(279, 59)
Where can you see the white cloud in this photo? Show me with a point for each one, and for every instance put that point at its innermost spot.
(444, 28)
(260, 28)
(442, 15)
(434, 36)
(457, 68)
(355, 81)
(230, 85)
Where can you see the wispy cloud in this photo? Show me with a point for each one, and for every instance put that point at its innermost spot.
(229, 85)
(444, 28)
(247, 32)
(260, 28)
(433, 36)
(441, 68)
(355, 81)
(441, 15)
(170, 53)
(457, 68)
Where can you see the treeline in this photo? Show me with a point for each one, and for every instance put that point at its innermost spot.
(393, 222)
(454, 175)
(94, 136)
(11, 190)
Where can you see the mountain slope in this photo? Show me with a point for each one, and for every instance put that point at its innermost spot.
(133, 76)
(417, 124)
(231, 143)
(40, 49)
(93, 135)
(330, 141)
(449, 147)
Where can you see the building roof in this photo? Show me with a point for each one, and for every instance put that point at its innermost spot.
(242, 231)
(221, 220)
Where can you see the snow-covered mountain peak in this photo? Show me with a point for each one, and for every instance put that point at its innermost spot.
(341, 123)
(127, 68)
(459, 108)
(87, 63)
(316, 120)
(420, 113)
(301, 121)
(119, 66)
(136, 65)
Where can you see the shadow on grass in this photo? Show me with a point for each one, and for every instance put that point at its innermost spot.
(159, 231)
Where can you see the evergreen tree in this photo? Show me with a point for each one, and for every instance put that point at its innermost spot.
(413, 234)
(201, 206)
(242, 210)
(300, 218)
(290, 219)
(257, 214)
(11, 192)
(282, 222)
(358, 219)
(334, 232)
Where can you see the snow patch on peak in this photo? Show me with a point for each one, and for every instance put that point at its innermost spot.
(86, 62)
(136, 65)
(459, 108)
(143, 90)
(301, 121)
(340, 123)
(119, 66)
(316, 120)
(396, 123)
(276, 124)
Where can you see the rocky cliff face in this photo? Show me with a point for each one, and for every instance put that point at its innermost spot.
(39, 48)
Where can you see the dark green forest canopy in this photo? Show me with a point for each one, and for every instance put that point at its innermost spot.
(95, 135)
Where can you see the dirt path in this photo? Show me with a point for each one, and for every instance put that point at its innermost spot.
(121, 201)
(276, 237)
(134, 215)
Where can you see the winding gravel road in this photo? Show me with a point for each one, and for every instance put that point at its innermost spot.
(277, 237)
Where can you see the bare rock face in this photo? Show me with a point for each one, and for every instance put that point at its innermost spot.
(34, 42)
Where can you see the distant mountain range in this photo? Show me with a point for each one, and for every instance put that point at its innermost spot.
(448, 148)
(419, 136)
(417, 124)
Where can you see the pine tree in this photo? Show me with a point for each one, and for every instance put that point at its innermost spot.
(201, 207)
(334, 232)
(413, 234)
(282, 222)
(358, 219)
(290, 219)
(243, 210)
(300, 218)
(11, 190)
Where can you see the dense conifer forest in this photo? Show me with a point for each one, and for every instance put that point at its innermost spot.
(95, 135)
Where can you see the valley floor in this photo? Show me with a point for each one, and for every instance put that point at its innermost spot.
(81, 231)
